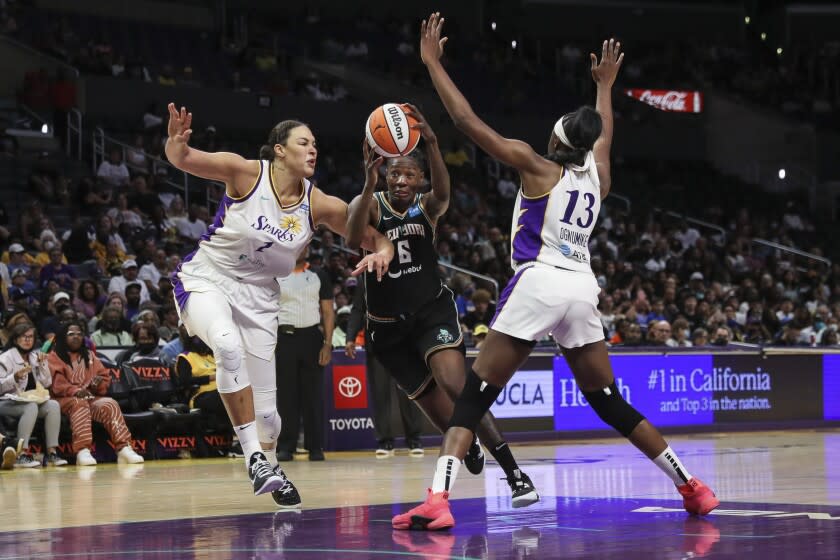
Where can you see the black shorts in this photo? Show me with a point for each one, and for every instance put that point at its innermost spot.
(404, 345)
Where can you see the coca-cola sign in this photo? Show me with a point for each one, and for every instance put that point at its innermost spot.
(669, 100)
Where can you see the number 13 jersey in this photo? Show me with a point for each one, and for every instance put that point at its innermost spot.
(554, 228)
(412, 280)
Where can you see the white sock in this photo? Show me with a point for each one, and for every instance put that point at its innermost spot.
(271, 454)
(249, 439)
(670, 464)
(445, 473)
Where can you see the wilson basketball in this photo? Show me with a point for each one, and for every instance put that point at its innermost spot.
(388, 131)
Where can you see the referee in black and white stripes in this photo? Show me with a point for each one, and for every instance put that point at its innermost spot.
(304, 347)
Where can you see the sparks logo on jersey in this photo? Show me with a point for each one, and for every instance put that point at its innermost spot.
(445, 336)
(291, 223)
(349, 388)
(289, 227)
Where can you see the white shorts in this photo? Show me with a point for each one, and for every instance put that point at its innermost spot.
(254, 308)
(541, 299)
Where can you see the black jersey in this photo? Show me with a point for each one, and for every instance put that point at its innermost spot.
(412, 280)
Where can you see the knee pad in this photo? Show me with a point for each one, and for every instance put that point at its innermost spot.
(473, 402)
(613, 409)
(227, 349)
(269, 422)
(269, 425)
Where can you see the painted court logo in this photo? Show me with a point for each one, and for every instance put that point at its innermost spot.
(445, 336)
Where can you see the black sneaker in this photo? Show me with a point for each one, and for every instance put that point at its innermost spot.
(27, 461)
(262, 475)
(415, 448)
(316, 455)
(283, 455)
(474, 461)
(385, 449)
(235, 450)
(524, 493)
(287, 495)
(55, 460)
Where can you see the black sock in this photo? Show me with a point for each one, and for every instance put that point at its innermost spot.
(505, 459)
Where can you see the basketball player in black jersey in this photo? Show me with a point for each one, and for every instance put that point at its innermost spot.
(411, 316)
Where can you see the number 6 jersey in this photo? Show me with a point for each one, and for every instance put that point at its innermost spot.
(554, 228)
(412, 280)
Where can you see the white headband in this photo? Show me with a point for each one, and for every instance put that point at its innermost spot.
(560, 131)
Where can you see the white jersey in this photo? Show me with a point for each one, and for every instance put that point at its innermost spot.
(554, 229)
(253, 238)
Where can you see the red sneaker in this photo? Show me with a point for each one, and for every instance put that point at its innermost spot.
(431, 515)
(698, 499)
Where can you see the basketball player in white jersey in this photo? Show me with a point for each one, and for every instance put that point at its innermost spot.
(553, 289)
(227, 291)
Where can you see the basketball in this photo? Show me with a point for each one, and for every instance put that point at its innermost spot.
(388, 130)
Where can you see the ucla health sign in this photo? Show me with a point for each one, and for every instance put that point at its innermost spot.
(530, 394)
(668, 390)
(686, 390)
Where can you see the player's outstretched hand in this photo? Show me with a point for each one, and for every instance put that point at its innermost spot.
(179, 124)
(605, 71)
(422, 124)
(431, 44)
(373, 262)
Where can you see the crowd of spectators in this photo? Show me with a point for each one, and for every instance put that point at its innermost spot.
(129, 231)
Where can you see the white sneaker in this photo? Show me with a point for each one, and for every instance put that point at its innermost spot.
(9, 458)
(84, 458)
(127, 455)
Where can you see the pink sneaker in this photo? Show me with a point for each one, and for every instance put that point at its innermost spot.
(698, 499)
(431, 515)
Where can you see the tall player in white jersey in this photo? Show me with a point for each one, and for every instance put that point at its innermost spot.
(227, 290)
(553, 289)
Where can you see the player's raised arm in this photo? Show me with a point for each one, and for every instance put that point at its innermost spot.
(362, 211)
(514, 153)
(604, 73)
(437, 201)
(238, 173)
